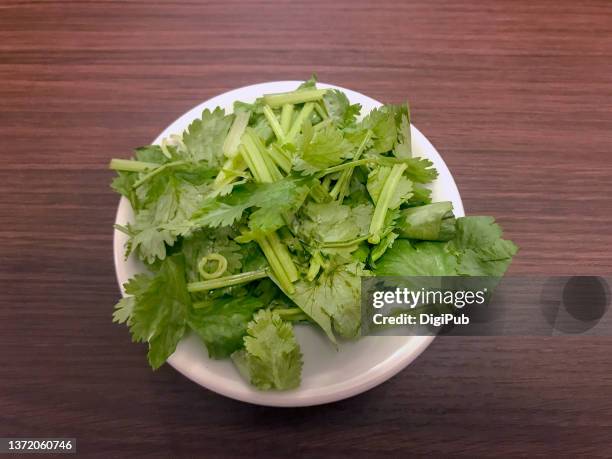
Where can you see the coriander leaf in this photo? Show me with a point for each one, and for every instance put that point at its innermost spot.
(308, 298)
(223, 323)
(161, 308)
(420, 259)
(321, 149)
(330, 222)
(123, 184)
(271, 199)
(150, 154)
(271, 358)
(339, 291)
(340, 110)
(381, 122)
(123, 310)
(479, 247)
(403, 146)
(420, 195)
(432, 222)
(149, 242)
(376, 181)
(205, 136)
(420, 170)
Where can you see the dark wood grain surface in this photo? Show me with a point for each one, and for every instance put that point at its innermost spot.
(516, 95)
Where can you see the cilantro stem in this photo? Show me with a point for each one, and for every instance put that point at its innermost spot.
(283, 255)
(250, 164)
(286, 116)
(342, 185)
(277, 155)
(322, 124)
(296, 127)
(232, 140)
(341, 167)
(159, 170)
(315, 266)
(230, 170)
(291, 314)
(276, 265)
(127, 165)
(221, 266)
(260, 169)
(227, 281)
(384, 200)
(123, 229)
(340, 244)
(318, 193)
(294, 97)
(274, 124)
(320, 109)
(270, 165)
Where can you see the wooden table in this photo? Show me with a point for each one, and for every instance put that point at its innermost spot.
(516, 96)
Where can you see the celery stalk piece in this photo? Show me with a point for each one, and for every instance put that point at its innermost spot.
(294, 97)
(274, 124)
(232, 140)
(227, 281)
(286, 116)
(296, 127)
(384, 200)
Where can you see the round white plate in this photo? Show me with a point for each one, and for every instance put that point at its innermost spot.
(328, 375)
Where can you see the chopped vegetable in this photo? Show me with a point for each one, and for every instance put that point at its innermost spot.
(253, 221)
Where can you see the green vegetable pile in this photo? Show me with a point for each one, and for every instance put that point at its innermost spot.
(253, 221)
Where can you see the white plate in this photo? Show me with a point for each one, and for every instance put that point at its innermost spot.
(328, 375)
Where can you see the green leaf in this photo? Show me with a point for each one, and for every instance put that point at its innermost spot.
(381, 122)
(331, 222)
(205, 242)
(321, 149)
(161, 307)
(420, 170)
(432, 222)
(150, 154)
(339, 291)
(205, 136)
(480, 249)
(420, 259)
(223, 324)
(123, 310)
(376, 181)
(272, 200)
(340, 110)
(271, 358)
